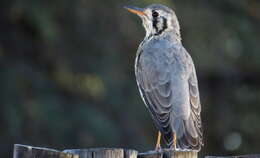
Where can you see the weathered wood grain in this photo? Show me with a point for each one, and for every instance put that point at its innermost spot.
(168, 154)
(103, 153)
(25, 151)
(240, 156)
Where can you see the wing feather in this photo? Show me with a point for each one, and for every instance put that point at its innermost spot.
(192, 137)
(154, 76)
(154, 85)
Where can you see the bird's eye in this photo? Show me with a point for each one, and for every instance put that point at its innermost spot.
(155, 14)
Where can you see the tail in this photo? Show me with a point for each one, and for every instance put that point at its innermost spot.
(188, 132)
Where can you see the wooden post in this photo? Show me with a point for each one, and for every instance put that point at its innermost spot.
(103, 153)
(165, 153)
(240, 156)
(24, 151)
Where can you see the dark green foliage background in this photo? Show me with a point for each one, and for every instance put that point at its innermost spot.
(67, 73)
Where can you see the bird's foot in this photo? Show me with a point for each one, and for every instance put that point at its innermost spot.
(158, 142)
(174, 142)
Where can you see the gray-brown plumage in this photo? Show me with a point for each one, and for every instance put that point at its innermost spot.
(166, 78)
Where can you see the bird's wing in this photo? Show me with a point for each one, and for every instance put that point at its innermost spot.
(154, 83)
(154, 78)
(192, 127)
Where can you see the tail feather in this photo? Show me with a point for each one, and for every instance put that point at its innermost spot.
(188, 132)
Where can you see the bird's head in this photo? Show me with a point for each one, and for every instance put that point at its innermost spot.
(157, 19)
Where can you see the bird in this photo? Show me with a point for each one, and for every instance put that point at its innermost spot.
(167, 81)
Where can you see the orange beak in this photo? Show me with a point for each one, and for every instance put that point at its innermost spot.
(135, 10)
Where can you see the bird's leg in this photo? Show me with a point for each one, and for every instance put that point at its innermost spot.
(174, 141)
(158, 142)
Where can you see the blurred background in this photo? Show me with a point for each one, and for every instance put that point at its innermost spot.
(67, 73)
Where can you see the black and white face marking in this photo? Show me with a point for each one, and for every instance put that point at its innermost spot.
(157, 20)
(159, 23)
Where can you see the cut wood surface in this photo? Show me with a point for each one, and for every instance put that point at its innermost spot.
(25, 151)
(164, 153)
(103, 153)
(240, 156)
